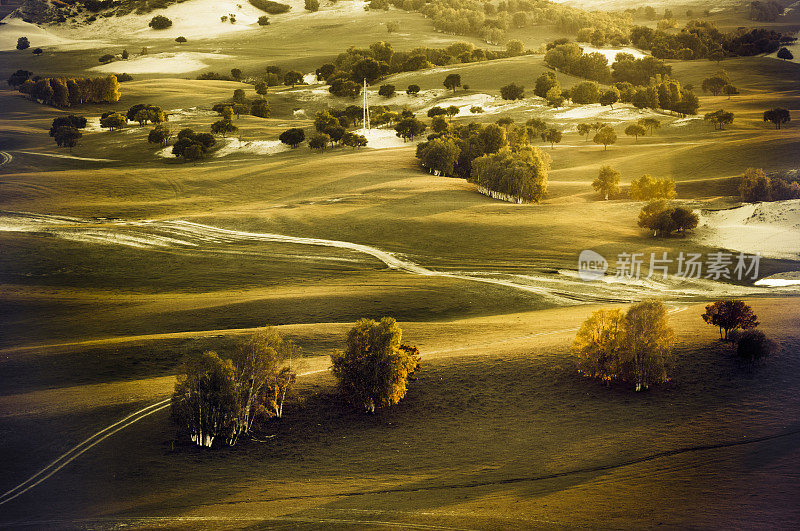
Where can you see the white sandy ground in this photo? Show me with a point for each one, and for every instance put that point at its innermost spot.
(611, 53)
(563, 288)
(793, 47)
(162, 63)
(772, 229)
(14, 28)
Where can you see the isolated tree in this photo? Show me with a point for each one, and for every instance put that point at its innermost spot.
(650, 124)
(598, 345)
(512, 92)
(236, 73)
(263, 20)
(223, 127)
(412, 90)
(180, 40)
(374, 369)
(23, 43)
(293, 137)
(204, 401)
(260, 108)
(584, 130)
(755, 186)
(66, 136)
(719, 119)
(785, 54)
(647, 188)
(730, 315)
(452, 81)
(319, 141)
(648, 344)
(37, 51)
(113, 121)
(605, 136)
(730, 90)
(716, 83)
(635, 130)
(607, 182)
(753, 347)
(514, 48)
(777, 116)
(312, 5)
(159, 135)
(160, 22)
(408, 128)
(293, 77)
(663, 219)
(387, 91)
(552, 136)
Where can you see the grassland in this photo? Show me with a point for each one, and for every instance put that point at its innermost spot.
(498, 432)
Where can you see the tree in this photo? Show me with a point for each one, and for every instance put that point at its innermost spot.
(260, 108)
(552, 136)
(107, 58)
(439, 156)
(412, 90)
(755, 186)
(181, 39)
(719, 119)
(635, 130)
(584, 129)
(544, 83)
(392, 26)
(730, 315)
(519, 175)
(236, 74)
(663, 219)
(730, 90)
(610, 97)
(375, 367)
(716, 83)
(293, 137)
(607, 182)
(223, 127)
(159, 135)
(605, 136)
(753, 347)
(452, 81)
(646, 188)
(777, 116)
(312, 5)
(650, 123)
(586, 92)
(408, 128)
(512, 92)
(648, 344)
(66, 136)
(514, 48)
(354, 140)
(37, 51)
(113, 121)
(555, 97)
(160, 22)
(319, 141)
(204, 400)
(263, 20)
(598, 345)
(452, 110)
(387, 91)
(23, 43)
(293, 77)
(785, 54)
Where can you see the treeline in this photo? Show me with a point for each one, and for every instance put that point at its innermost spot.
(498, 158)
(268, 6)
(755, 186)
(701, 39)
(66, 92)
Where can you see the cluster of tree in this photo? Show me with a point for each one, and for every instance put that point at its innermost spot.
(192, 146)
(113, 120)
(145, 114)
(19, 77)
(737, 322)
(518, 174)
(719, 83)
(160, 134)
(375, 367)
(719, 119)
(268, 6)
(664, 219)
(570, 58)
(647, 188)
(633, 347)
(765, 11)
(701, 39)
(626, 68)
(66, 92)
(219, 399)
(65, 130)
(785, 54)
(409, 127)
(659, 94)
(239, 104)
(755, 186)
(778, 116)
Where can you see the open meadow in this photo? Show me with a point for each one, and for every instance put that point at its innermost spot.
(120, 260)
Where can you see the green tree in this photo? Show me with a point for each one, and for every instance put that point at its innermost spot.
(552, 136)
(412, 90)
(514, 48)
(519, 174)
(160, 22)
(610, 97)
(605, 136)
(408, 128)
(730, 315)
(584, 130)
(204, 400)
(375, 367)
(387, 91)
(512, 92)
(650, 124)
(113, 121)
(755, 186)
(159, 135)
(754, 347)
(312, 5)
(293, 137)
(778, 116)
(23, 43)
(180, 40)
(635, 130)
(223, 127)
(66, 136)
(607, 182)
(293, 77)
(354, 140)
(319, 141)
(719, 119)
(439, 156)
(785, 54)
(452, 81)
(647, 188)
(648, 344)
(260, 108)
(598, 345)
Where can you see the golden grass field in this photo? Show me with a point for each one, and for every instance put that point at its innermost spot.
(498, 432)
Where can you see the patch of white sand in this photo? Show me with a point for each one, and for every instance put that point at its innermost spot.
(772, 229)
(162, 63)
(620, 113)
(255, 147)
(14, 28)
(383, 138)
(611, 53)
(793, 47)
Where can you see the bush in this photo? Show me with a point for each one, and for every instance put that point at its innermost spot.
(375, 367)
(263, 20)
(122, 78)
(23, 43)
(754, 347)
(312, 5)
(160, 22)
(107, 58)
(180, 40)
(512, 92)
(292, 137)
(387, 91)
(273, 8)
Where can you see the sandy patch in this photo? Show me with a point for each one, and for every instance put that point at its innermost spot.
(162, 63)
(611, 53)
(14, 28)
(383, 139)
(772, 229)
